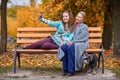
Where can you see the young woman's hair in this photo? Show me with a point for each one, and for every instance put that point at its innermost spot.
(71, 19)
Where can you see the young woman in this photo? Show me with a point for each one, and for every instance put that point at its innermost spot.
(62, 35)
(72, 51)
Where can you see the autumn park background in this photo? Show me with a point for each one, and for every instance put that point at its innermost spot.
(98, 14)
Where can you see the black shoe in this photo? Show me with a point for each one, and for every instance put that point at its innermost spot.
(70, 74)
(64, 73)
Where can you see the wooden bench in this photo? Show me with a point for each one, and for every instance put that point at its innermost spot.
(27, 36)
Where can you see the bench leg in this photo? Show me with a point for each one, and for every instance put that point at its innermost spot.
(18, 60)
(15, 55)
(102, 54)
(99, 60)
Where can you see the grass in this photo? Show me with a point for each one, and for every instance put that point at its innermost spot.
(53, 69)
(5, 69)
(35, 69)
(116, 70)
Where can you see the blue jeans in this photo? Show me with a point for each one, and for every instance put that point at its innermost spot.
(68, 60)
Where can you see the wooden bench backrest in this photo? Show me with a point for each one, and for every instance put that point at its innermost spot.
(31, 35)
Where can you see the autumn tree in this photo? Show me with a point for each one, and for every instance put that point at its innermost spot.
(107, 36)
(116, 26)
(27, 16)
(93, 8)
(12, 11)
(3, 26)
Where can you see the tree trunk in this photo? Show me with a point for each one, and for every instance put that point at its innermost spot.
(70, 4)
(3, 26)
(108, 27)
(116, 25)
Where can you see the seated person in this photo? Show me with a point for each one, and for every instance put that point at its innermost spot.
(62, 35)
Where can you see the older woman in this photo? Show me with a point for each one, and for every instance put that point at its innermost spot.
(71, 53)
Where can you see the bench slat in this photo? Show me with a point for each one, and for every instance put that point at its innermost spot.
(36, 51)
(92, 35)
(41, 29)
(36, 29)
(49, 51)
(43, 35)
(98, 29)
(26, 41)
(29, 41)
(94, 50)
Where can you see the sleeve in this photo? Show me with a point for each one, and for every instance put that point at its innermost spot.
(71, 36)
(51, 23)
(68, 36)
(83, 35)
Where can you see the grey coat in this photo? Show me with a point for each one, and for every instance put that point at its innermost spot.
(80, 40)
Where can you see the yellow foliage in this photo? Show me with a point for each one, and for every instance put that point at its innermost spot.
(11, 26)
(49, 60)
(50, 10)
(27, 16)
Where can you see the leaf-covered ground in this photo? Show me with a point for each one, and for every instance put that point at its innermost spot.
(48, 61)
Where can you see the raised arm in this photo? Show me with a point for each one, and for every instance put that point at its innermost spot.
(49, 22)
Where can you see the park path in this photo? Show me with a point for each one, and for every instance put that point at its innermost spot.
(28, 75)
